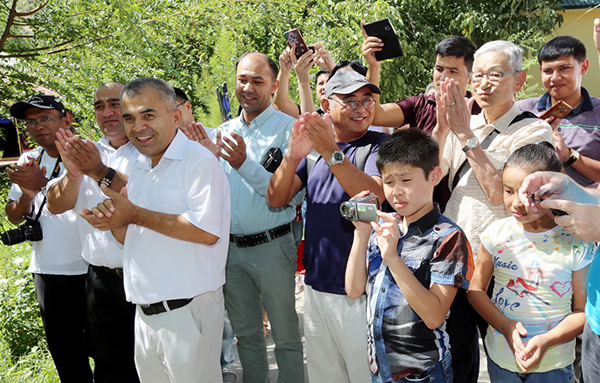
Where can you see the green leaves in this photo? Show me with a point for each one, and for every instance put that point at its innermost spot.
(76, 45)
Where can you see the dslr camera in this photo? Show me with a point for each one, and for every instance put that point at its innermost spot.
(31, 230)
(361, 209)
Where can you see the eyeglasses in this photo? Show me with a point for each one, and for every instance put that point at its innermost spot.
(369, 103)
(493, 76)
(44, 121)
(181, 103)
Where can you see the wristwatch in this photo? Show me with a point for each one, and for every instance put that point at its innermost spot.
(107, 178)
(574, 156)
(337, 158)
(471, 144)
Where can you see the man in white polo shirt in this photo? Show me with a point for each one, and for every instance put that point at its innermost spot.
(173, 219)
(90, 164)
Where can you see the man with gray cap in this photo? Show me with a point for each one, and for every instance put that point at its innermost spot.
(334, 325)
(56, 263)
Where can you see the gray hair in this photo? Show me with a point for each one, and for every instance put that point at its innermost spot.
(165, 90)
(513, 53)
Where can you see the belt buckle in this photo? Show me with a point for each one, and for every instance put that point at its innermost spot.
(148, 309)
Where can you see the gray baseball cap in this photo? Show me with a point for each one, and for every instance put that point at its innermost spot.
(348, 82)
(41, 101)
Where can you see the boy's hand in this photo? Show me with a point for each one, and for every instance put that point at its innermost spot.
(362, 227)
(532, 354)
(388, 236)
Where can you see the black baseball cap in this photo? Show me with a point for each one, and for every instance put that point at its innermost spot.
(40, 101)
(348, 82)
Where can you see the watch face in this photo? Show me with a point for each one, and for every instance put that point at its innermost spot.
(338, 157)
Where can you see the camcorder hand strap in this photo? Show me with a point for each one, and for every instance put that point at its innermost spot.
(53, 175)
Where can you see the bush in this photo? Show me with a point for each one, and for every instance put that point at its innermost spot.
(20, 323)
(35, 367)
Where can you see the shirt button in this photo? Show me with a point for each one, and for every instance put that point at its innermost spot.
(378, 315)
(236, 222)
(378, 338)
(383, 289)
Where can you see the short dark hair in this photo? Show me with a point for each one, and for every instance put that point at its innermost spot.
(180, 94)
(540, 157)
(272, 64)
(165, 90)
(411, 147)
(562, 46)
(354, 64)
(457, 46)
(322, 71)
(109, 84)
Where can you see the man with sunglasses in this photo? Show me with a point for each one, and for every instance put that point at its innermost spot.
(56, 263)
(335, 326)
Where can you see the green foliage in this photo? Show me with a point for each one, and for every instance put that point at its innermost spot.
(78, 44)
(20, 323)
(34, 367)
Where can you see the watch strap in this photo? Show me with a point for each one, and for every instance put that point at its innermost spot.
(469, 145)
(573, 157)
(107, 179)
(332, 160)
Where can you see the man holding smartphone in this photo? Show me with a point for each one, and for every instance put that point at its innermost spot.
(563, 63)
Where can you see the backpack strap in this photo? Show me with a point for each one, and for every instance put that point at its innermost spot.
(465, 166)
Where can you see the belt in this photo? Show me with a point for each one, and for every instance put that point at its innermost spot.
(164, 306)
(259, 238)
(118, 272)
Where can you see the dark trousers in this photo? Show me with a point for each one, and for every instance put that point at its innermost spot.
(111, 320)
(461, 327)
(62, 305)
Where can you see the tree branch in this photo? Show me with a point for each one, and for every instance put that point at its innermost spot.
(11, 18)
(29, 13)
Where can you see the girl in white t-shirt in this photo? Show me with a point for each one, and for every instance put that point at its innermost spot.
(537, 306)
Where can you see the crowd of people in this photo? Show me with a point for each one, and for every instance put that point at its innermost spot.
(164, 240)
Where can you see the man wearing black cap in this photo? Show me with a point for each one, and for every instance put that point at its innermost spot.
(334, 325)
(56, 263)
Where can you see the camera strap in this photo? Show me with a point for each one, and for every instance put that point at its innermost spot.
(54, 174)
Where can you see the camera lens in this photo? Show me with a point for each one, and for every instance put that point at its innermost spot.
(347, 210)
(13, 237)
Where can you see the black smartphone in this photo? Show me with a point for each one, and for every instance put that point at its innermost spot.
(384, 30)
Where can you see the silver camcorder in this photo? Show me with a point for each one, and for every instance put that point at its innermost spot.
(361, 209)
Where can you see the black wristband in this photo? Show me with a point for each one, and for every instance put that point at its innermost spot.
(107, 178)
(573, 156)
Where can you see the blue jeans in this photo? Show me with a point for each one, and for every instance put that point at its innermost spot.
(441, 372)
(501, 375)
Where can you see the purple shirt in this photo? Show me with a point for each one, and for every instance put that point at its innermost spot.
(580, 129)
(328, 236)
